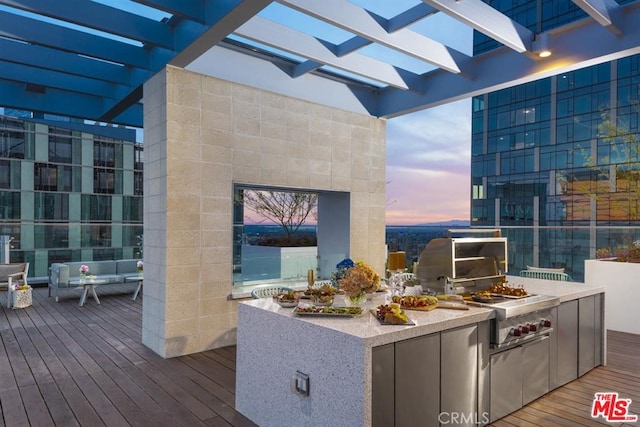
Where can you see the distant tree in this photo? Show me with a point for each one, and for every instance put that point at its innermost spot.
(287, 209)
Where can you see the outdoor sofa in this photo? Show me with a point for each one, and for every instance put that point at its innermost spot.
(107, 272)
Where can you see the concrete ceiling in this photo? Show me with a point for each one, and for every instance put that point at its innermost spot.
(89, 59)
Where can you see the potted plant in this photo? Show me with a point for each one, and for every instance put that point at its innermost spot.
(140, 268)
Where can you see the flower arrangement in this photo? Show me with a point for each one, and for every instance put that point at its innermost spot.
(341, 271)
(18, 286)
(359, 279)
(84, 269)
(140, 266)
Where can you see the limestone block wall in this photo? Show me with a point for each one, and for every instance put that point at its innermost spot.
(201, 136)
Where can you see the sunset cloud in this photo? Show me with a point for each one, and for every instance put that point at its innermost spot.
(429, 165)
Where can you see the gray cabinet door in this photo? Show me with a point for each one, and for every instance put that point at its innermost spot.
(565, 357)
(418, 381)
(599, 328)
(586, 335)
(590, 333)
(383, 392)
(506, 382)
(459, 373)
(535, 370)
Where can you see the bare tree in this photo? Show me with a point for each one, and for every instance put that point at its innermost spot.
(287, 209)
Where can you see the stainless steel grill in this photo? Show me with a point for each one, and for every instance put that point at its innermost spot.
(462, 264)
(468, 265)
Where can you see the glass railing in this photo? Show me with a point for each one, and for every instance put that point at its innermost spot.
(549, 247)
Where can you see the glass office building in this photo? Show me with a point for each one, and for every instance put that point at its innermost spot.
(69, 191)
(546, 166)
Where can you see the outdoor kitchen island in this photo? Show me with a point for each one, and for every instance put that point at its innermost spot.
(361, 373)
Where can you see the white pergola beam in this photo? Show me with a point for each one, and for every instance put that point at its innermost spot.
(284, 38)
(505, 68)
(354, 19)
(487, 20)
(228, 19)
(604, 12)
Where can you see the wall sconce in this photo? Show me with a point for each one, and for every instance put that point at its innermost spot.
(541, 45)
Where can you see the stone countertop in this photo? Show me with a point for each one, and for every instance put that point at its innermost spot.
(566, 291)
(336, 354)
(367, 327)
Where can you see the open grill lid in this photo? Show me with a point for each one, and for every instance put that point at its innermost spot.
(463, 264)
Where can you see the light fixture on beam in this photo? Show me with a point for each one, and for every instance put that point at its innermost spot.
(541, 45)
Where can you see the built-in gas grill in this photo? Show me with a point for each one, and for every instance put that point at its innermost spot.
(459, 264)
(520, 331)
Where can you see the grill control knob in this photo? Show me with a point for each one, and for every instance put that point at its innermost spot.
(533, 327)
(546, 323)
(525, 329)
(516, 332)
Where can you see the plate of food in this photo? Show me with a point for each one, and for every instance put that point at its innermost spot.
(482, 296)
(421, 303)
(287, 299)
(504, 290)
(391, 314)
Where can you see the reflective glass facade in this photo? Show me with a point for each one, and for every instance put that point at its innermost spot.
(555, 161)
(69, 191)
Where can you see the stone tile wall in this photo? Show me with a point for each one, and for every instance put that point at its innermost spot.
(201, 136)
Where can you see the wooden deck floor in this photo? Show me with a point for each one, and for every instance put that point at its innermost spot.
(65, 365)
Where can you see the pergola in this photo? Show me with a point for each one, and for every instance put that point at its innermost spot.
(89, 59)
(290, 94)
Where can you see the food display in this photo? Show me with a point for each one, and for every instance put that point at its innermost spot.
(411, 302)
(506, 290)
(322, 295)
(482, 296)
(287, 299)
(391, 314)
(322, 299)
(327, 311)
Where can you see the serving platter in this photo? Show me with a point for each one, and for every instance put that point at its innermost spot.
(424, 308)
(510, 296)
(328, 311)
(409, 322)
(287, 303)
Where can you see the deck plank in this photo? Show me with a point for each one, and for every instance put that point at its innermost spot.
(61, 364)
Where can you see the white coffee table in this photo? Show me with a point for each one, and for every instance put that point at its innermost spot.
(88, 285)
(140, 280)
